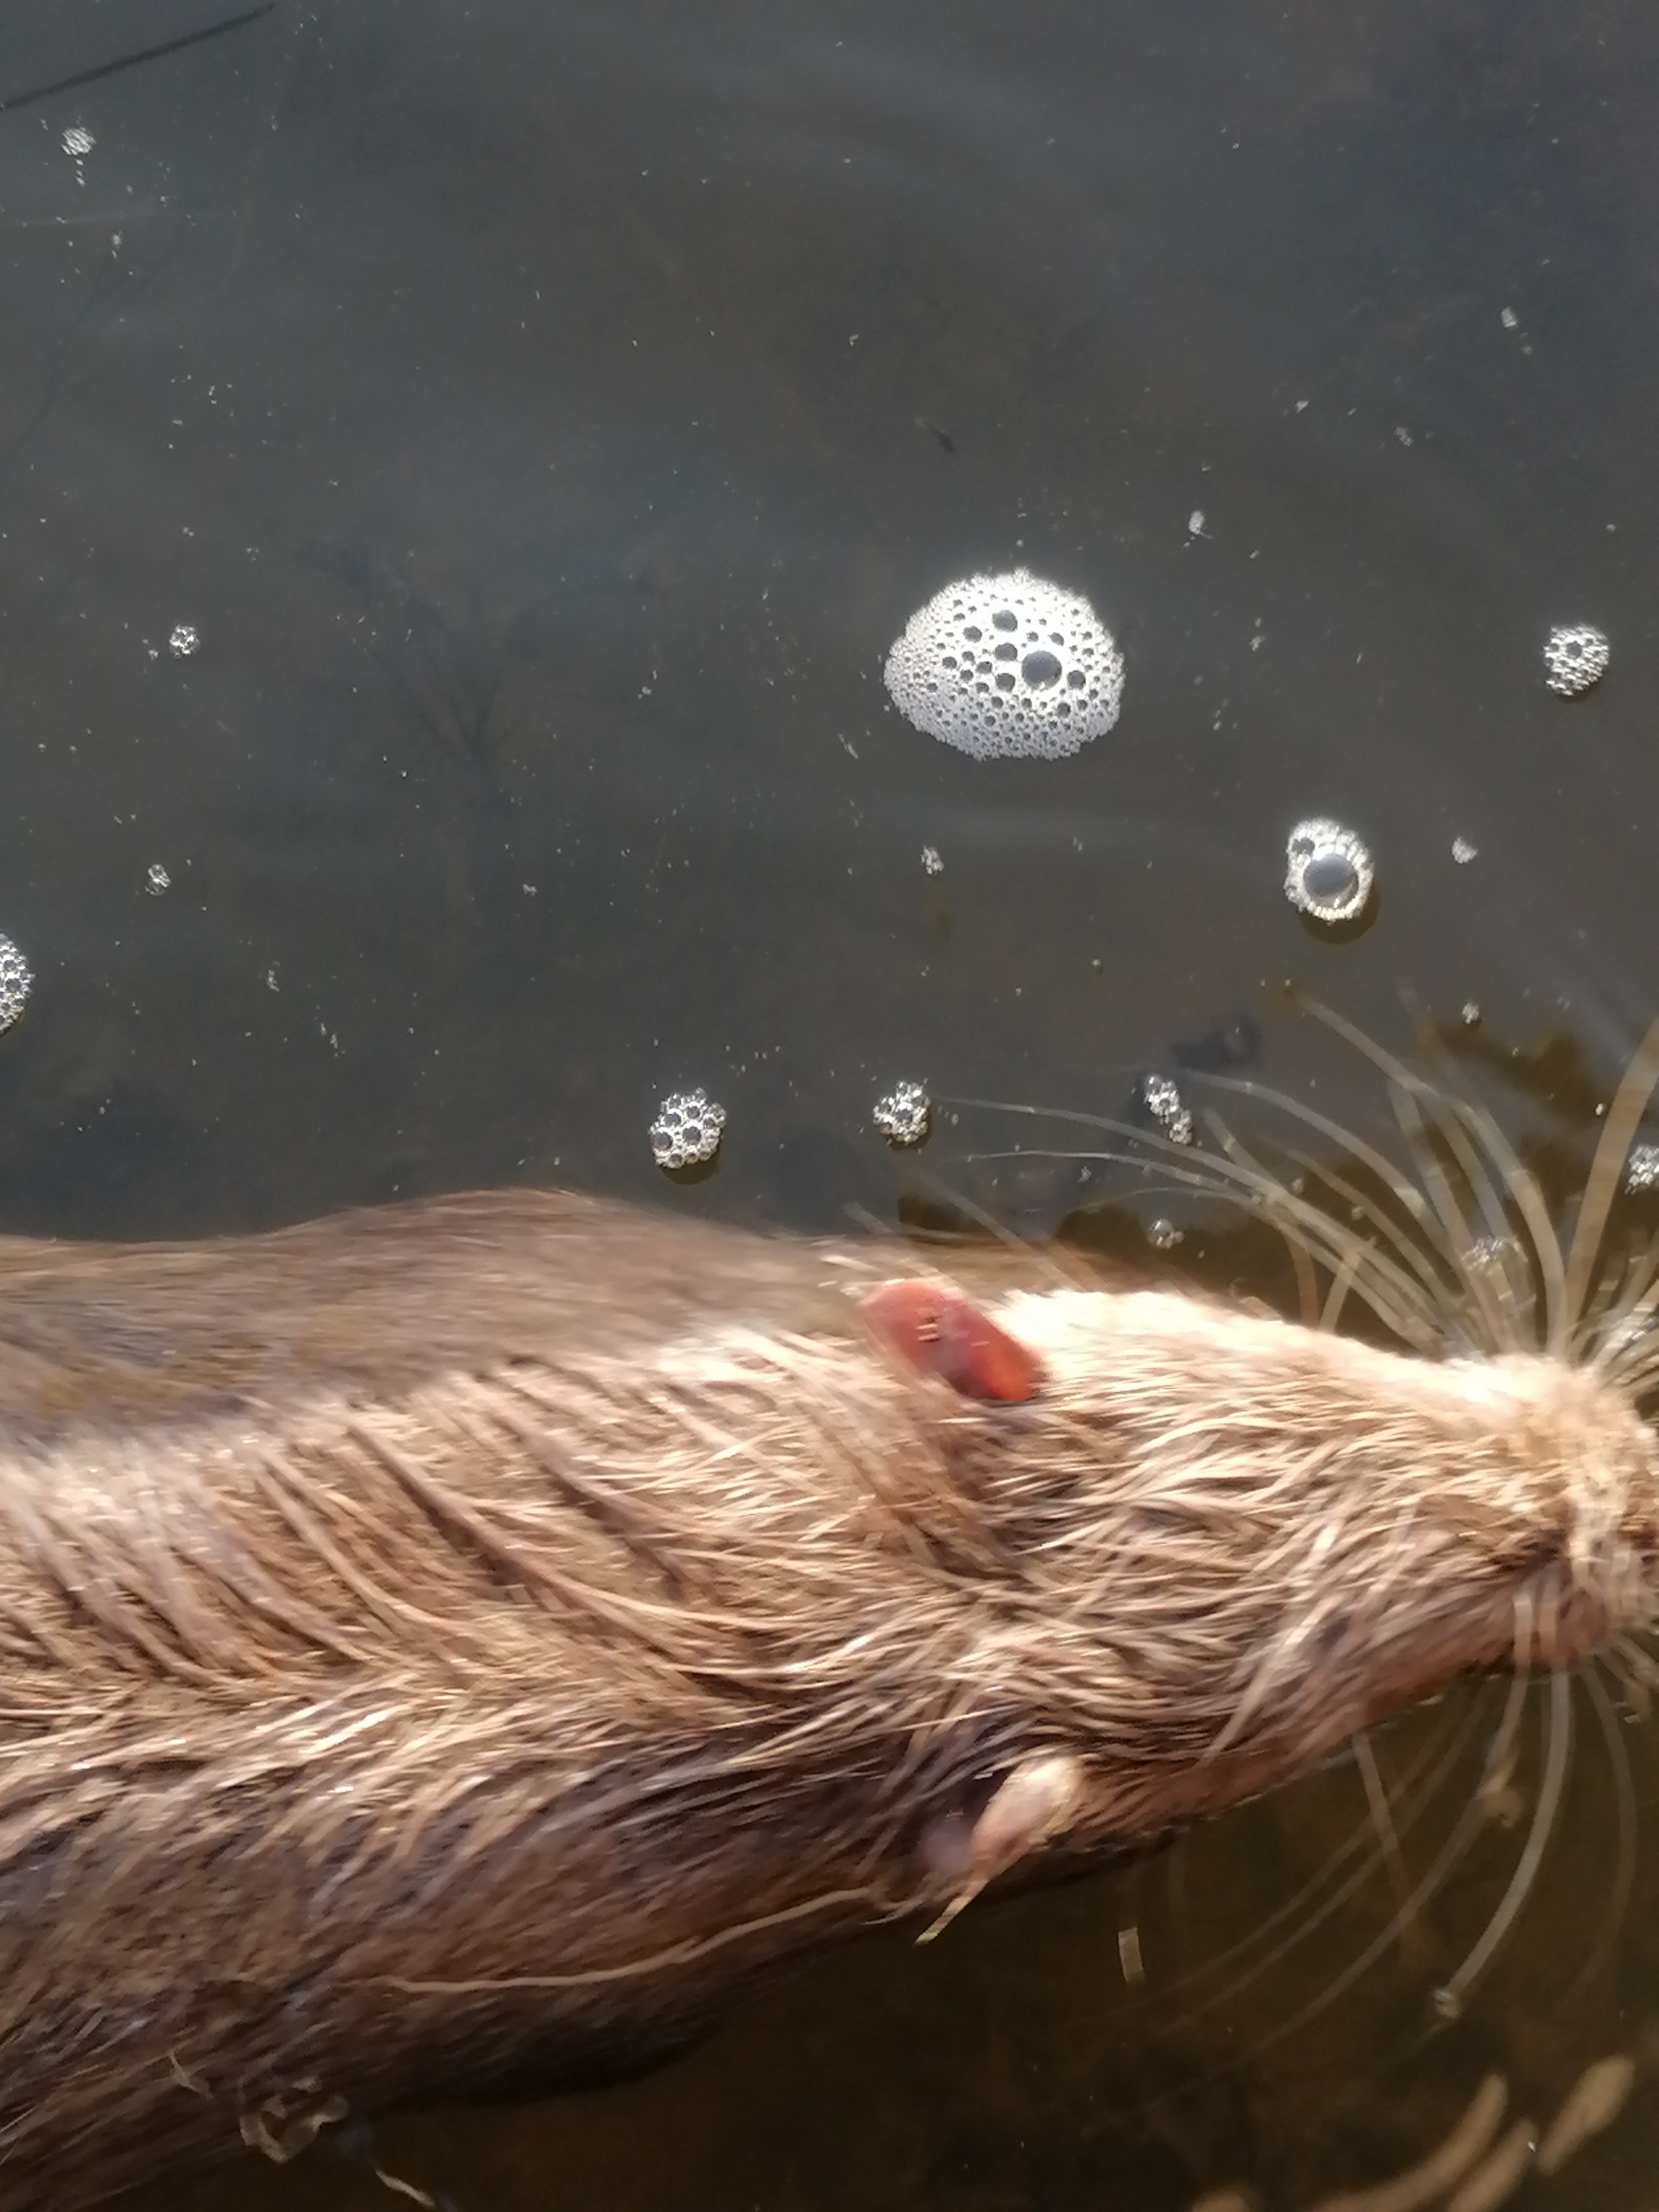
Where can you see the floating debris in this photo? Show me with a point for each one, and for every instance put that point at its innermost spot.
(1463, 851)
(932, 859)
(1575, 658)
(1328, 872)
(1007, 665)
(15, 982)
(1128, 1956)
(1160, 1099)
(156, 880)
(904, 1115)
(686, 1133)
(1594, 2102)
(184, 641)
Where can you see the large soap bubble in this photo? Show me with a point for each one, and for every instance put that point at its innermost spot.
(1007, 664)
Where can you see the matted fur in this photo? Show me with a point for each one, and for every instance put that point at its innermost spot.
(475, 1631)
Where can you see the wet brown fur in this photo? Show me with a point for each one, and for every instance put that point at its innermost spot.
(483, 1627)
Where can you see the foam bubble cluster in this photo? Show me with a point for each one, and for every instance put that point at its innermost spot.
(15, 982)
(1000, 665)
(1576, 657)
(1328, 872)
(1161, 1101)
(686, 1133)
(905, 1115)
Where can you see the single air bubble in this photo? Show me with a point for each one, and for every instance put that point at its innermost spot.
(905, 1115)
(1005, 666)
(1160, 1097)
(1328, 873)
(156, 880)
(1642, 1168)
(15, 982)
(686, 1133)
(184, 641)
(1575, 657)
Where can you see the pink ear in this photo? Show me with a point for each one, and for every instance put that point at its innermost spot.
(938, 1331)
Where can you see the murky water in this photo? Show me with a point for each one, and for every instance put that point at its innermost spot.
(546, 418)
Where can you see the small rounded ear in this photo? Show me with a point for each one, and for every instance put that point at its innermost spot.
(935, 1329)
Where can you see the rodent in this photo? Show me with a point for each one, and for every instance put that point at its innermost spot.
(482, 1630)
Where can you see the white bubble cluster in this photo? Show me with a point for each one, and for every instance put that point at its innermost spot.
(78, 142)
(1575, 658)
(1000, 666)
(15, 982)
(1642, 1168)
(686, 1133)
(156, 880)
(905, 1115)
(1169, 1112)
(184, 641)
(1328, 873)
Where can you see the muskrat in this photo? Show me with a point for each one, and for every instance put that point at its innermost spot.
(469, 1635)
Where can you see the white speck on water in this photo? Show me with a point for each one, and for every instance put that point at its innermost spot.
(1402, 433)
(1509, 318)
(1196, 523)
(156, 880)
(932, 860)
(1463, 851)
(1471, 1014)
(184, 641)
(78, 142)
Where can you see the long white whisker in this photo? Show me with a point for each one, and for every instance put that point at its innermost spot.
(1630, 1103)
(1624, 1872)
(1557, 1748)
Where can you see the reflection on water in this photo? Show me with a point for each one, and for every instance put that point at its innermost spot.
(545, 420)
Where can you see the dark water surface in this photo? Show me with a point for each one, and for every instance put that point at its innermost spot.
(547, 415)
